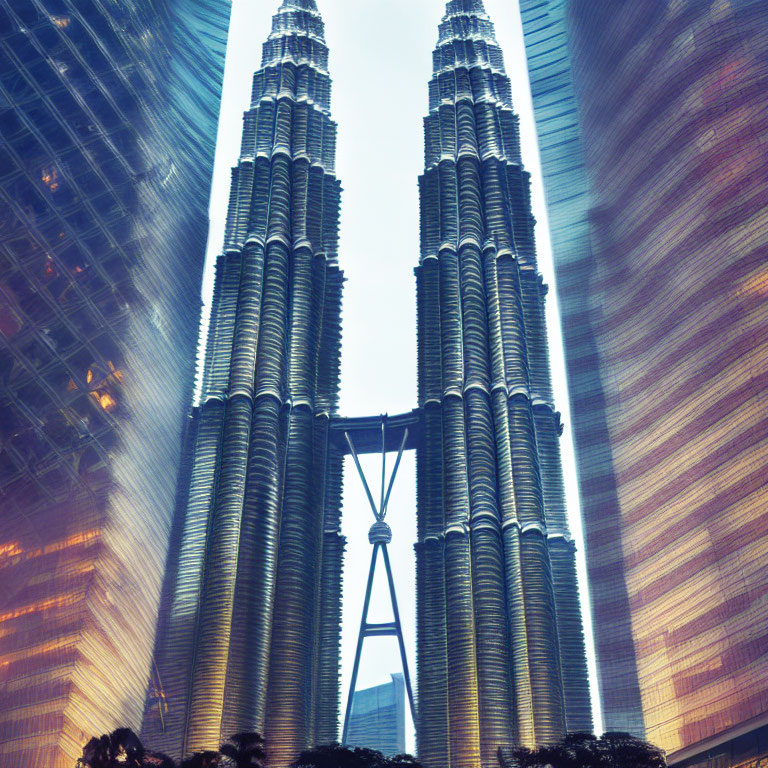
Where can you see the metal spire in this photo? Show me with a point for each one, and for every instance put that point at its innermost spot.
(466, 20)
(298, 36)
(474, 7)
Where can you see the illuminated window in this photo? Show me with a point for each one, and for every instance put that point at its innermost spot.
(50, 177)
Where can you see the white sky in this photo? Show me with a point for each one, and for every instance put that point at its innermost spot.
(381, 60)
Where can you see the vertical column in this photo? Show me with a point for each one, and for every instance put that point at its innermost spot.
(515, 604)
(217, 601)
(247, 675)
(432, 659)
(290, 675)
(177, 647)
(494, 691)
(464, 733)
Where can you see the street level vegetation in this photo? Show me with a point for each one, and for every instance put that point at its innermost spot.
(123, 749)
(585, 750)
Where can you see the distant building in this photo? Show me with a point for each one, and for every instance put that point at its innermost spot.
(108, 115)
(378, 718)
(666, 332)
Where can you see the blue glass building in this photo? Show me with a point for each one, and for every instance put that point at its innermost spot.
(664, 320)
(378, 718)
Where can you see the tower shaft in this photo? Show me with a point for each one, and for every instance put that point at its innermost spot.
(257, 583)
(501, 659)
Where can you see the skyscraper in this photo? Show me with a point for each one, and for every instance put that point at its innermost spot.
(378, 718)
(561, 149)
(250, 638)
(500, 642)
(105, 165)
(669, 311)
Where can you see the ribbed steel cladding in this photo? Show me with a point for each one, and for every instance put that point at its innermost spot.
(493, 667)
(543, 651)
(487, 578)
(176, 651)
(432, 668)
(329, 359)
(317, 512)
(217, 601)
(482, 360)
(431, 501)
(450, 323)
(241, 383)
(257, 560)
(547, 425)
(215, 302)
(290, 676)
(464, 728)
(578, 708)
(272, 342)
(248, 317)
(518, 638)
(327, 700)
(261, 492)
(563, 559)
(525, 469)
(531, 290)
(222, 329)
(217, 598)
(430, 375)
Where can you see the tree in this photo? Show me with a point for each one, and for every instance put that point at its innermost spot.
(119, 748)
(203, 760)
(403, 761)
(626, 751)
(245, 750)
(157, 760)
(123, 749)
(337, 756)
(585, 750)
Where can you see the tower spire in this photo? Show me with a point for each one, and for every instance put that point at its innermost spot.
(298, 36)
(455, 7)
(466, 20)
(301, 5)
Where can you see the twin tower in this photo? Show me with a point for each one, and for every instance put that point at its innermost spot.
(249, 636)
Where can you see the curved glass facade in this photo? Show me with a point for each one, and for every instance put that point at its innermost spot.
(674, 305)
(105, 162)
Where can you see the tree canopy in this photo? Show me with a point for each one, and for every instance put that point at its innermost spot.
(337, 756)
(585, 750)
(123, 749)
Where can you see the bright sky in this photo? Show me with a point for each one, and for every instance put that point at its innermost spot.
(381, 59)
